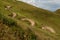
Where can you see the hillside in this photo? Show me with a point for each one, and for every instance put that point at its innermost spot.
(57, 11)
(21, 21)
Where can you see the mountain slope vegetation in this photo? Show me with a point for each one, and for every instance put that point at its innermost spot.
(21, 21)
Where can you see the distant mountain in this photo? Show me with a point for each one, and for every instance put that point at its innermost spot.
(21, 21)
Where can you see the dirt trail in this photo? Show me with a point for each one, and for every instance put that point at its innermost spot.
(31, 21)
(14, 14)
(7, 7)
(49, 29)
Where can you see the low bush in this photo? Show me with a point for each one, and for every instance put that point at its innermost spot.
(7, 21)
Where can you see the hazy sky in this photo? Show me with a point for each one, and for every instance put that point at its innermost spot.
(46, 4)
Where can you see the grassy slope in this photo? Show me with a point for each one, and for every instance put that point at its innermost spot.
(17, 27)
(58, 12)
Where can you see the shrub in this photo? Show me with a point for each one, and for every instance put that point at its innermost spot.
(7, 21)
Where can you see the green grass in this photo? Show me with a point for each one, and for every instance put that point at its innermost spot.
(18, 28)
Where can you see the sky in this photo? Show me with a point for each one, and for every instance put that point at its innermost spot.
(51, 5)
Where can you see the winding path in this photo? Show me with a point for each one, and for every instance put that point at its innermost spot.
(14, 14)
(49, 29)
(31, 21)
